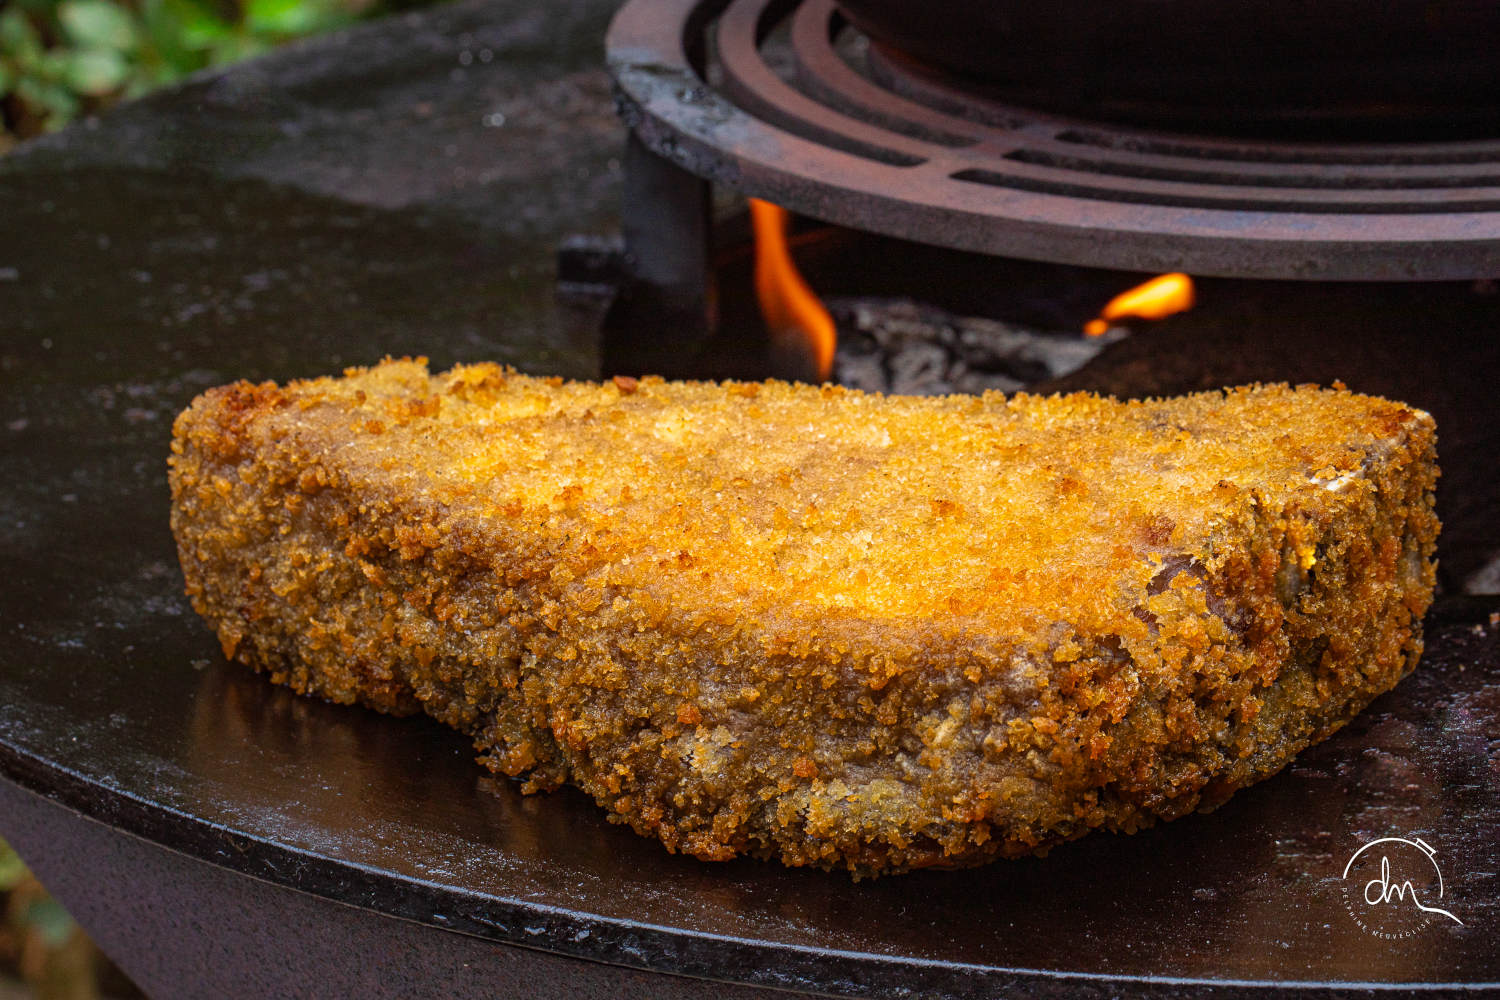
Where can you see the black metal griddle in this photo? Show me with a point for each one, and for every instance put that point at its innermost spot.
(221, 836)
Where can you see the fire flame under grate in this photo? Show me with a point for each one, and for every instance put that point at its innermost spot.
(804, 113)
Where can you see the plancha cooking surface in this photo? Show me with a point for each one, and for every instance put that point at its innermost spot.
(115, 701)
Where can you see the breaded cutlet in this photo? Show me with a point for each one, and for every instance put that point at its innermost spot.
(838, 629)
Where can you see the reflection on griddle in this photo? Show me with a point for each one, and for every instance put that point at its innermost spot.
(405, 796)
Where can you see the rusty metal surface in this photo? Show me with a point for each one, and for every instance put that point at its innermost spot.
(874, 147)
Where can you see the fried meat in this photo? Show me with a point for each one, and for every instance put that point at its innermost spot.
(838, 629)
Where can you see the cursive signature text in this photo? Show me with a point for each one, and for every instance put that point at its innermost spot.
(1383, 890)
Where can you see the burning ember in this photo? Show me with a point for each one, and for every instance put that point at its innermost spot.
(803, 335)
(1156, 299)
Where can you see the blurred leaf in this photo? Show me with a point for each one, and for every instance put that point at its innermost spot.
(98, 24)
(240, 46)
(52, 66)
(140, 84)
(50, 97)
(11, 869)
(47, 917)
(284, 17)
(96, 72)
(181, 33)
(7, 81)
(18, 39)
(198, 26)
(165, 55)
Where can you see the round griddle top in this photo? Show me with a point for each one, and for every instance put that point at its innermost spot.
(115, 700)
(127, 287)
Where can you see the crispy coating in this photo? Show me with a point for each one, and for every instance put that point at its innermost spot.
(838, 629)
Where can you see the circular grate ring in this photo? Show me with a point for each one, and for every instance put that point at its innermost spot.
(808, 116)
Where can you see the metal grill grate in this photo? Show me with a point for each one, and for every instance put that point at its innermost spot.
(806, 114)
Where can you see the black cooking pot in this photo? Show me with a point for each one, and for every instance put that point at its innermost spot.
(1392, 66)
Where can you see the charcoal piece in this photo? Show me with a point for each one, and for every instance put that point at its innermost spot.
(923, 350)
(865, 372)
(920, 369)
(1027, 355)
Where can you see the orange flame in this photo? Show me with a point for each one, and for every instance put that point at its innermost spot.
(800, 327)
(1156, 299)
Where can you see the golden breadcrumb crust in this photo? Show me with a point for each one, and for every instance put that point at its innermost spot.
(839, 629)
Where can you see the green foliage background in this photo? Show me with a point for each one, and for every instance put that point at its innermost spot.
(63, 58)
(40, 944)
